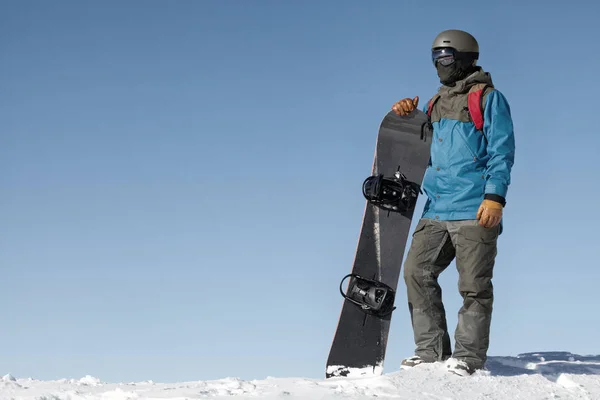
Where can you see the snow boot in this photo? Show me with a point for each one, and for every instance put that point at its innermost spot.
(459, 367)
(412, 362)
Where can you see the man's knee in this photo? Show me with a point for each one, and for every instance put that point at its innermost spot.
(477, 293)
(476, 252)
(412, 268)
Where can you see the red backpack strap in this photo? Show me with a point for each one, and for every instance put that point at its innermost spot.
(475, 102)
(431, 103)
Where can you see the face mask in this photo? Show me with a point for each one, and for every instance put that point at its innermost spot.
(450, 74)
(452, 68)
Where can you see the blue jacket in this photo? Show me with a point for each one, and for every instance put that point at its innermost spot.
(466, 165)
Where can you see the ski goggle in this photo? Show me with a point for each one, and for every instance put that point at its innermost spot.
(445, 56)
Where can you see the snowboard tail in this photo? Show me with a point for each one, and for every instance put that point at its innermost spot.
(401, 157)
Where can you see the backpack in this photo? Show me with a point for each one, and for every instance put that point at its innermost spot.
(475, 101)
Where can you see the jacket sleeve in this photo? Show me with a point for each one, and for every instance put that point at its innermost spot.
(498, 129)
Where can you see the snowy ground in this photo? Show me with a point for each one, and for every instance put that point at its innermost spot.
(531, 376)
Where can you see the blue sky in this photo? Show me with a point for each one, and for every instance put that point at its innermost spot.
(180, 181)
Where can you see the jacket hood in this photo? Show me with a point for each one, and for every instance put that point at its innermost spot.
(463, 86)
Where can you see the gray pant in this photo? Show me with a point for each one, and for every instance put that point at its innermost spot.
(435, 244)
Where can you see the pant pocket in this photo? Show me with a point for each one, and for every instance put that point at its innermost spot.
(480, 234)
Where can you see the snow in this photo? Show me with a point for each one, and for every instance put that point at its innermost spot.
(529, 376)
(340, 370)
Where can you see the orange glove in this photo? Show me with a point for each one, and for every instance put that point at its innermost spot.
(489, 213)
(405, 106)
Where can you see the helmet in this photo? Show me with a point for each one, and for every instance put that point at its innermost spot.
(460, 41)
(457, 44)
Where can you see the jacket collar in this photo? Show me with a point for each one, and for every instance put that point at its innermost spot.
(463, 86)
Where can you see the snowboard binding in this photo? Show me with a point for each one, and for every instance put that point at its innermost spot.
(396, 194)
(373, 297)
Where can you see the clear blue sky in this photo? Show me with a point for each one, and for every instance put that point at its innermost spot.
(180, 181)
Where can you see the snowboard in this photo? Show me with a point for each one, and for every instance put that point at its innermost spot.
(401, 158)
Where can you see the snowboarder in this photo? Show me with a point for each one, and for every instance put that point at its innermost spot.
(472, 154)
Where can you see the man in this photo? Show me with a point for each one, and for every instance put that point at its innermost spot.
(466, 184)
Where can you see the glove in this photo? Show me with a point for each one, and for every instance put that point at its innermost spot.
(489, 213)
(405, 106)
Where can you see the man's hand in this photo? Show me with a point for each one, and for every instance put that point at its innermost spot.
(489, 213)
(405, 106)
